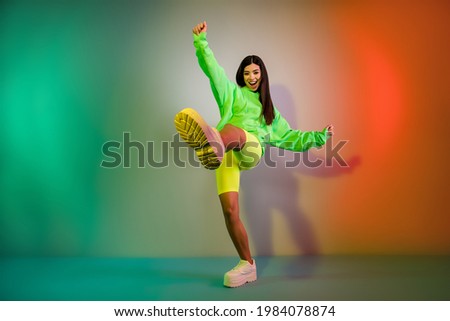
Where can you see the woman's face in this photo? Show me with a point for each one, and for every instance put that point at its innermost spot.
(252, 76)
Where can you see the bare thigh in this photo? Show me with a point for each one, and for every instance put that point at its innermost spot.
(233, 137)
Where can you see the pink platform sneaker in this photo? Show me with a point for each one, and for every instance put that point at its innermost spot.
(242, 273)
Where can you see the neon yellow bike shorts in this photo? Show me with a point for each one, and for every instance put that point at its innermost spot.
(233, 162)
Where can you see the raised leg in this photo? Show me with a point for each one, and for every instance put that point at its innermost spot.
(233, 137)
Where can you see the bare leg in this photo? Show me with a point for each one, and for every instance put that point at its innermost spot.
(233, 137)
(238, 234)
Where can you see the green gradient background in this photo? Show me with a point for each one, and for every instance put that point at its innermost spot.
(77, 75)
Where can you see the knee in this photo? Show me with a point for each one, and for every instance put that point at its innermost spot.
(231, 212)
(230, 206)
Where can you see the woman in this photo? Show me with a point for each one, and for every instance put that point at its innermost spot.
(248, 121)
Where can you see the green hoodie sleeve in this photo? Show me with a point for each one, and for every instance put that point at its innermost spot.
(283, 136)
(223, 89)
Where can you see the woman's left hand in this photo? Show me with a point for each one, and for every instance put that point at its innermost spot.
(330, 130)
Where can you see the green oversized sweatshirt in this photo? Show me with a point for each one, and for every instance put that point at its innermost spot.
(240, 106)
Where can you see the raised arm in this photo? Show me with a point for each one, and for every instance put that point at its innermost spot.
(223, 89)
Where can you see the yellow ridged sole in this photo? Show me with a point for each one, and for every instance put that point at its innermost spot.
(192, 129)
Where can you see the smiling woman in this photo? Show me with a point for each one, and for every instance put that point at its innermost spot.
(252, 76)
(248, 120)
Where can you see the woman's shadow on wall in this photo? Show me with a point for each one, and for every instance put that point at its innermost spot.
(268, 187)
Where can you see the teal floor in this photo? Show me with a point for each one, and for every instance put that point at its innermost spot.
(280, 278)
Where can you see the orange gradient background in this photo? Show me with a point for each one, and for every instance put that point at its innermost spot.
(395, 201)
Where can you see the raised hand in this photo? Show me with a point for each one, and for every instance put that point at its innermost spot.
(201, 27)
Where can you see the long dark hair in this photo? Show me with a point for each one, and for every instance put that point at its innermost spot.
(263, 89)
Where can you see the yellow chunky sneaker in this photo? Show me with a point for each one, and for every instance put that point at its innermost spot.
(205, 139)
(242, 273)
